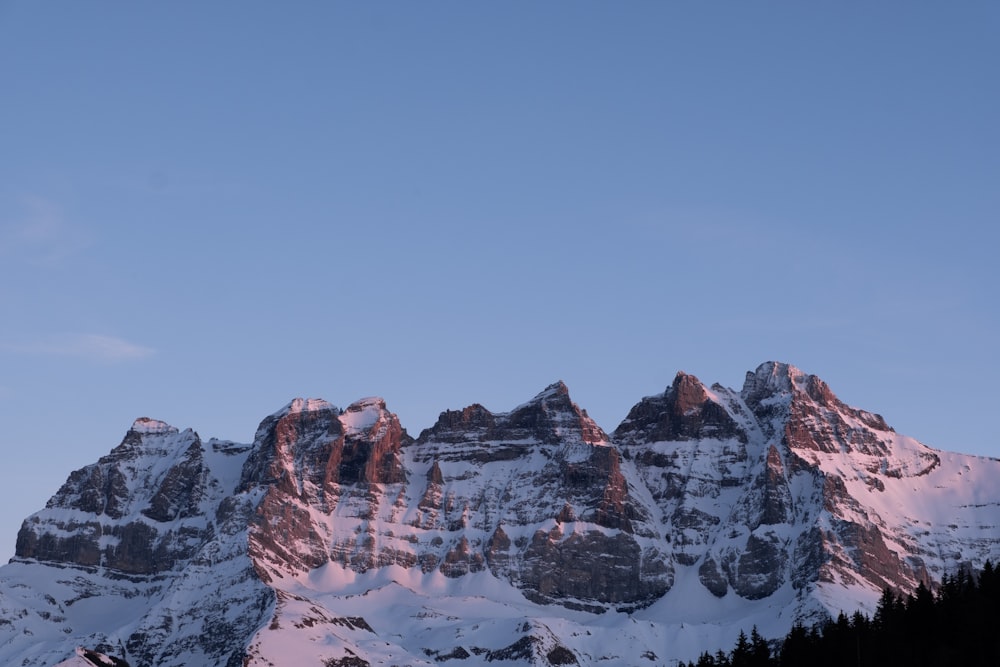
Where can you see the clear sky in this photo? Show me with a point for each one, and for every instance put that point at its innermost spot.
(208, 209)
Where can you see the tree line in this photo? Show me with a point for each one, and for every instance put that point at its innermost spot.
(958, 624)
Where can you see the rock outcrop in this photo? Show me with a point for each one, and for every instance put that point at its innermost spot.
(547, 475)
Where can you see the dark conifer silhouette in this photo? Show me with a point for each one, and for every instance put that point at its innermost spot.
(957, 625)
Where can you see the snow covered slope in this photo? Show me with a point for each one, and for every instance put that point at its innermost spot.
(87, 658)
(528, 537)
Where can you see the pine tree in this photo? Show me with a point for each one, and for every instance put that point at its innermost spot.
(760, 652)
(741, 654)
(797, 649)
(887, 611)
(705, 660)
(956, 626)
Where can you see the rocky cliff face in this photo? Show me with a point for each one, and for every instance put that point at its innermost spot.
(309, 460)
(148, 528)
(539, 496)
(754, 485)
(777, 500)
(123, 513)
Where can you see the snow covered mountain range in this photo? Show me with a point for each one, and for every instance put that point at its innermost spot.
(528, 537)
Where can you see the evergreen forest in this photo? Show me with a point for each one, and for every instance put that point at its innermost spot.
(958, 624)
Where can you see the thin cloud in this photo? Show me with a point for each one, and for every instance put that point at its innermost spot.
(40, 234)
(90, 347)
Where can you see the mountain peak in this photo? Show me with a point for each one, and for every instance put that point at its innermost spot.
(362, 414)
(773, 378)
(144, 425)
(552, 410)
(773, 375)
(557, 388)
(686, 410)
(775, 381)
(689, 392)
(300, 405)
(556, 395)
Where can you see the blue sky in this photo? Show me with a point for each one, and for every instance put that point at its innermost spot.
(207, 209)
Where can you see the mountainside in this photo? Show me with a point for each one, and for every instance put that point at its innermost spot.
(528, 537)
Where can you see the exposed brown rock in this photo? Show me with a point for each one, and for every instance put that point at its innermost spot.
(461, 559)
(683, 412)
(777, 497)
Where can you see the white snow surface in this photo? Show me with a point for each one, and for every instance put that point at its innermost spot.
(411, 614)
